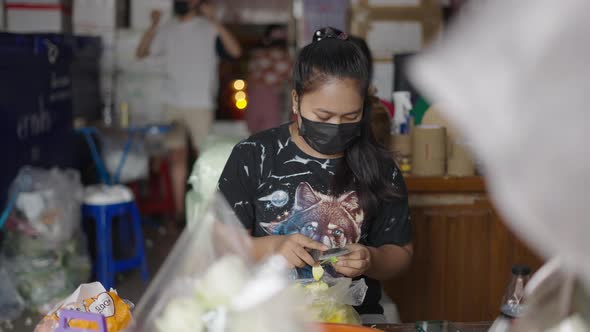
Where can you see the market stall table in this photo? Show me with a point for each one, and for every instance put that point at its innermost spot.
(449, 327)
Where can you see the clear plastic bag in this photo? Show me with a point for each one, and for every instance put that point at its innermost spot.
(136, 166)
(210, 283)
(48, 201)
(44, 250)
(331, 300)
(11, 304)
(206, 172)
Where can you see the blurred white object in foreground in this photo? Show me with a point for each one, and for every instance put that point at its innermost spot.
(513, 76)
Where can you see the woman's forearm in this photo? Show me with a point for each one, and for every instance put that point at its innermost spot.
(230, 43)
(389, 261)
(143, 49)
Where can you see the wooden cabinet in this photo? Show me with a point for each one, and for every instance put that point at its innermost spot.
(463, 253)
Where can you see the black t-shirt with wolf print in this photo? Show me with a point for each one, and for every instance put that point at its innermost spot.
(275, 188)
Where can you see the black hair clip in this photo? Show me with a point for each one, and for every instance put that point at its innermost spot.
(329, 32)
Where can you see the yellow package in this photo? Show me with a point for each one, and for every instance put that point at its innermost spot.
(110, 305)
(115, 310)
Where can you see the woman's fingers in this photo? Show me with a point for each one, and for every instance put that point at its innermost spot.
(347, 271)
(306, 242)
(357, 264)
(304, 256)
(294, 260)
(358, 255)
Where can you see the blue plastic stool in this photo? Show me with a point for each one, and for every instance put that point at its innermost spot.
(103, 214)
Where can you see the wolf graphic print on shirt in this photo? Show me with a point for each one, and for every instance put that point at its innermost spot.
(333, 221)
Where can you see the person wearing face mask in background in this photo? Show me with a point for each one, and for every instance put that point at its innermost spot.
(323, 181)
(187, 44)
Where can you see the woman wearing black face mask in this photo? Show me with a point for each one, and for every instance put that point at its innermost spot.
(322, 181)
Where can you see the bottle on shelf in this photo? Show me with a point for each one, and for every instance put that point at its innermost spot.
(124, 115)
(513, 304)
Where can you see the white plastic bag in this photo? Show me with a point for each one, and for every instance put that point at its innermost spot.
(210, 283)
(513, 75)
(49, 202)
(136, 165)
(206, 172)
(331, 300)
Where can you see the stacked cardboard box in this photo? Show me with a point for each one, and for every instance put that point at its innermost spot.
(139, 83)
(38, 15)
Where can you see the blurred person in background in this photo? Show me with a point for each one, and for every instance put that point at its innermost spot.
(269, 69)
(187, 44)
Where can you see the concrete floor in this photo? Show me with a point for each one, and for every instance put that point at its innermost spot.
(159, 241)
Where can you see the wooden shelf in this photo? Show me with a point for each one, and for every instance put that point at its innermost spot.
(470, 184)
(463, 254)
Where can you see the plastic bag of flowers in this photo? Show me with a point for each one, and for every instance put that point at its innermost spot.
(210, 283)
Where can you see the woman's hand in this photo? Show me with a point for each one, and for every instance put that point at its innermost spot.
(156, 16)
(208, 11)
(293, 248)
(356, 263)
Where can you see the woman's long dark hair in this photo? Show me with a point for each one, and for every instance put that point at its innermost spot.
(368, 165)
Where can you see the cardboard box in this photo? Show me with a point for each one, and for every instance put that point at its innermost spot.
(460, 162)
(401, 144)
(141, 12)
(429, 151)
(94, 15)
(321, 13)
(38, 16)
(126, 60)
(98, 18)
(383, 79)
(143, 94)
(139, 83)
(386, 38)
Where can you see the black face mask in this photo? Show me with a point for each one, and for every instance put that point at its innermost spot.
(181, 8)
(328, 138)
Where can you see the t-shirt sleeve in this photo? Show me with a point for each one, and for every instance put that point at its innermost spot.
(393, 224)
(238, 182)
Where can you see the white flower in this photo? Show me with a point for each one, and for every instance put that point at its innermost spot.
(181, 315)
(223, 281)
